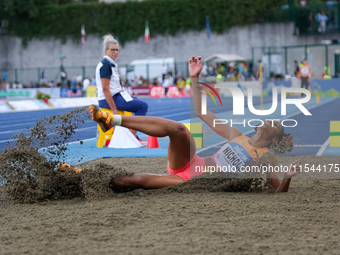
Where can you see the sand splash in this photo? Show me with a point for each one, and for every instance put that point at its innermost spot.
(29, 176)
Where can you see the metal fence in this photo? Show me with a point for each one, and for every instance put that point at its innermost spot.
(30, 76)
(281, 59)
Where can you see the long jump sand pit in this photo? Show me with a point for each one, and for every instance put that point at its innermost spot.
(191, 218)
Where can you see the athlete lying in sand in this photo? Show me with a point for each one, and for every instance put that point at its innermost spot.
(182, 158)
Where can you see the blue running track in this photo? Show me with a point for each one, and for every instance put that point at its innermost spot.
(310, 134)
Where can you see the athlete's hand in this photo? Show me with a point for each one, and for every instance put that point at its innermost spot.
(115, 112)
(195, 66)
(294, 168)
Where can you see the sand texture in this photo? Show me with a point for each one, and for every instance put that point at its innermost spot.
(191, 218)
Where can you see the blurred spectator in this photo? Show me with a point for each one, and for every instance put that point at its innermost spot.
(4, 76)
(273, 75)
(211, 69)
(222, 69)
(51, 84)
(171, 80)
(231, 71)
(68, 83)
(296, 66)
(166, 84)
(311, 22)
(240, 76)
(305, 74)
(180, 84)
(42, 78)
(63, 79)
(19, 85)
(32, 84)
(241, 66)
(317, 19)
(86, 83)
(204, 70)
(178, 74)
(93, 81)
(142, 82)
(160, 80)
(288, 76)
(260, 70)
(327, 76)
(322, 22)
(79, 79)
(74, 86)
(187, 86)
(327, 73)
(164, 71)
(171, 72)
(219, 77)
(134, 82)
(250, 70)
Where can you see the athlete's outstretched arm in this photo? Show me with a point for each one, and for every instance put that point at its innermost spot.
(274, 182)
(223, 130)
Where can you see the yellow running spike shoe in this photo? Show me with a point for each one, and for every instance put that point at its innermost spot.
(104, 119)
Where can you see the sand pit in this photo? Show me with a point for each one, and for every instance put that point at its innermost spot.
(188, 220)
(49, 212)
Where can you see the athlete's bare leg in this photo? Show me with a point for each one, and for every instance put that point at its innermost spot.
(181, 150)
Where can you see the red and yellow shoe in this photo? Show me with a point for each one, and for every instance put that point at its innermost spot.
(104, 119)
(64, 167)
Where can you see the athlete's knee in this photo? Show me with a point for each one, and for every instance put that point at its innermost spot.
(142, 108)
(179, 127)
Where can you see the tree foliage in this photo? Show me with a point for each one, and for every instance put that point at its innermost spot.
(63, 18)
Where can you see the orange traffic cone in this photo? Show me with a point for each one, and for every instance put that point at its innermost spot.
(152, 143)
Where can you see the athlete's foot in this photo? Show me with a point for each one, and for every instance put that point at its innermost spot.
(64, 167)
(104, 119)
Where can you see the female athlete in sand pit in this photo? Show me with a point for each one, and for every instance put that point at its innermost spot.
(182, 149)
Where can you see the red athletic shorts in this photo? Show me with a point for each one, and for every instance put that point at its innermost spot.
(189, 170)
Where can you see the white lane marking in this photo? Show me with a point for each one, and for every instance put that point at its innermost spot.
(323, 147)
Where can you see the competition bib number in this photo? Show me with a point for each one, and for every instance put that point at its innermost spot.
(231, 157)
(305, 70)
(126, 96)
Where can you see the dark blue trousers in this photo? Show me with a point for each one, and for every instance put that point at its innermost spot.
(138, 107)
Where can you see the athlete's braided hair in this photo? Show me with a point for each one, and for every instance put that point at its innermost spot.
(285, 143)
